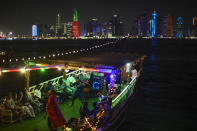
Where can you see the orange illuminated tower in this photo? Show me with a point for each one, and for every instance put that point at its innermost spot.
(194, 21)
(75, 25)
(169, 30)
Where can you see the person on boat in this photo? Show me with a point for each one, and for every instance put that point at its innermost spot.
(69, 84)
(34, 103)
(100, 96)
(44, 89)
(84, 111)
(49, 86)
(24, 108)
(134, 73)
(71, 79)
(37, 92)
(22, 101)
(79, 91)
(55, 116)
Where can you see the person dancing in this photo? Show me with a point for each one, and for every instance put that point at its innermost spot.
(55, 116)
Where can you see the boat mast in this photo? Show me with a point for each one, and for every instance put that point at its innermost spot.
(27, 75)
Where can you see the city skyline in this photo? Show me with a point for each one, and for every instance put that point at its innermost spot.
(19, 16)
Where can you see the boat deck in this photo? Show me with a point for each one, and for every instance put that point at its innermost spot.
(40, 123)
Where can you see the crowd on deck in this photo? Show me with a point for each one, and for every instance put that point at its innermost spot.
(25, 104)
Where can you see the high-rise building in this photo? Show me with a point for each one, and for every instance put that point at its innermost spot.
(194, 27)
(34, 31)
(59, 27)
(194, 21)
(92, 29)
(154, 24)
(84, 29)
(75, 25)
(116, 26)
(69, 32)
(149, 28)
(142, 24)
(169, 28)
(179, 27)
(64, 25)
(109, 29)
(166, 26)
(104, 31)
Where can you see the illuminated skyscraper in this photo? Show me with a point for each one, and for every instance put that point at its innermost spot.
(179, 28)
(34, 31)
(116, 26)
(59, 27)
(194, 21)
(166, 24)
(194, 27)
(69, 33)
(154, 25)
(142, 25)
(104, 31)
(75, 25)
(169, 30)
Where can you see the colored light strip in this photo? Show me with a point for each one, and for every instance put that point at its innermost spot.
(32, 68)
(105, 70)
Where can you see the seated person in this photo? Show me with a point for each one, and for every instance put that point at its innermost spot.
(10, 104)
(44, 90)
(22, 101)
(34, 103)
(71, 79)
(69, 85)
(25, 109)
(37, 92)
(49, 86)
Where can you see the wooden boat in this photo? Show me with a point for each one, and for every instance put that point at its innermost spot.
(101, 69)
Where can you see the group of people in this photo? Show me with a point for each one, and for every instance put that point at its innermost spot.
(21, 104)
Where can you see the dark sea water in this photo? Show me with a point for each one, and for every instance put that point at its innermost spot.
(166, 94)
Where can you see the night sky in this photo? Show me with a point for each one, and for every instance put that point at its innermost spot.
(18, 16)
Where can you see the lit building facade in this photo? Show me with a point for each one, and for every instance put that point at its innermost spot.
(104, 31)
(169, 27)
(34, 31)
(166, 26)
(69, 32)
(75, 25)
(92, 29)
(59, 26)
(142, 24)
(115, 26)
(194, 27)
(179, 28)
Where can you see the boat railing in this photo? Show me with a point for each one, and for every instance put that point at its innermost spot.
(124, 93)
(55, 81)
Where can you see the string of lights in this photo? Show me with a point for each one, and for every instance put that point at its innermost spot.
(95, 125)
(55, 55)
